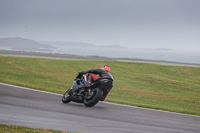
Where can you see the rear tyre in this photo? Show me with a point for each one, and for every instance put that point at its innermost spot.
(93, 99)
(66, 97)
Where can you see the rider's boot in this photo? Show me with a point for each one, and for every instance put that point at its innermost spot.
(102, 98)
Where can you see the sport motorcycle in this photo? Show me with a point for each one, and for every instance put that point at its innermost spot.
(89, 94)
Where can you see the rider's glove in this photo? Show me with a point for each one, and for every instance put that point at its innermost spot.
(79, 75)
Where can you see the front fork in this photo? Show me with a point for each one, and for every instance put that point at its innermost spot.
(88, 93)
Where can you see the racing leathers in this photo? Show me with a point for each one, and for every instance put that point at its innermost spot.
(105, 86)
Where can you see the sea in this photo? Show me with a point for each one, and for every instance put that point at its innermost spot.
(190, 57)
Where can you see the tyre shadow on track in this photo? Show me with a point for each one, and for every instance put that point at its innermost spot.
(73, 104)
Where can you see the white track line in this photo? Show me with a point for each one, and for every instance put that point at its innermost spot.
(30, 89)
(102, 102)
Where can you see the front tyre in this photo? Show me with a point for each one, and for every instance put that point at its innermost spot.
(93, 99)
(66, 97)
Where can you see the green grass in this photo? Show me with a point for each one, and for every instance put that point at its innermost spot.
(20, 129)
(170, 88)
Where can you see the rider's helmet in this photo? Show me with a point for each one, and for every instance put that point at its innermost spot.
(106, 68)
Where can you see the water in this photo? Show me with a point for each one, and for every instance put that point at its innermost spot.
(158, 55)
(192, 57)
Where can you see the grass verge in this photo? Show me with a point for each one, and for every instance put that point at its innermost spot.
(170, 88)
(20, 129)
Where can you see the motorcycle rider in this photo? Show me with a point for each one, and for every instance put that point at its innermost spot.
(103, 73)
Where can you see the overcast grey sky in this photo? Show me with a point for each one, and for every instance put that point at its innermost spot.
(171, 24)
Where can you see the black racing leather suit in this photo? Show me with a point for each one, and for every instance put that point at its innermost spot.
(105, 86)
(102, 73)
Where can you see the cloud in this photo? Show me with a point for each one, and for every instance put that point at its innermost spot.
(134, 23)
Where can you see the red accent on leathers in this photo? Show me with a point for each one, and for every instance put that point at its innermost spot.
(105, 93)
(92, 77)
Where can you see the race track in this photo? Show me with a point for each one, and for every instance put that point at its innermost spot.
(30, 108)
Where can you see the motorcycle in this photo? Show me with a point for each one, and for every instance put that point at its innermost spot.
(89, 95)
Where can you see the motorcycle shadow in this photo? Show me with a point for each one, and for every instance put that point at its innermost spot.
(97, 106)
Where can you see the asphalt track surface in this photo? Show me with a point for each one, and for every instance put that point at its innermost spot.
(30, 108)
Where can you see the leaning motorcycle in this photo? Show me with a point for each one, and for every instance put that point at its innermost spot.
(89, 95)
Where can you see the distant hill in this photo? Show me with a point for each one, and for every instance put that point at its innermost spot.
(68, 44)
(23, 44)
(80, 44)
(112, 46)
(18, 43)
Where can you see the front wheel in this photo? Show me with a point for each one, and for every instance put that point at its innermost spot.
(66, 97)
(93, 99)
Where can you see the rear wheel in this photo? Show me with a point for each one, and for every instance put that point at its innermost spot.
(93, 99)
(66, 97)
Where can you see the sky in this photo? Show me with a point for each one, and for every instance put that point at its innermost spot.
(149, 24)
